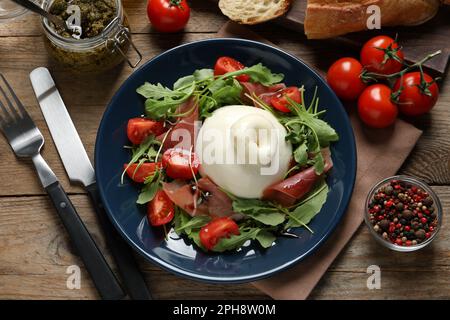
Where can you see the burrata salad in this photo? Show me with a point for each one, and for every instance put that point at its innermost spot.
(230, 155)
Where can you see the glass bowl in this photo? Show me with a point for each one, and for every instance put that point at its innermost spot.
(408, 181)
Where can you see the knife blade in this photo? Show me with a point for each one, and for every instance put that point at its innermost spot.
(79, 169)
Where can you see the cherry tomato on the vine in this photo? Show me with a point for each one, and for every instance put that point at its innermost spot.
(375, 106)
(168, 15)
(344, 78)
(382, 55)
(418, 95)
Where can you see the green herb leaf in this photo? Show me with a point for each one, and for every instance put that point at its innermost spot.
(266, 238)
(187, 225)
(310, 207)
(259, 210)
(301, 154)
(234, 241)
(203, 75)
(259, 73)
(148, 192)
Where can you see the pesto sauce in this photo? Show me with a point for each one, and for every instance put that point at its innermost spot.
(95, 15)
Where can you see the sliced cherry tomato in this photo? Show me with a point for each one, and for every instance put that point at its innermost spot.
(280, 101)
(177, 164)
(418, 96)
(375, 107)
(225, 65)
(144, 171)
(382, 55)
(168, 15)
(139, 129)
(161, 209)
(344, 78)
(217, 229)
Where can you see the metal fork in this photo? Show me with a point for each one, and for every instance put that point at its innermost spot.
(26, 141)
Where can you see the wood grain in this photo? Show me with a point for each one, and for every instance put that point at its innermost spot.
(35, 252)
(34, 256)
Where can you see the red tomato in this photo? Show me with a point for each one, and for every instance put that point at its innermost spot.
(375, 107)
(217, 229)
(168, 15)
(382, 55)
(143, 172)
(414, 100)
(225, 65)
(139, 129)
(281, 103)
(344, 78)
(177, 164)
(161, 209)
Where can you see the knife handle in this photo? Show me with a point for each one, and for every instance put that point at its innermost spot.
(103, 277)
(133, 280)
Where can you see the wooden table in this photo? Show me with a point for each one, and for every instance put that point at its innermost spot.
(34, 249)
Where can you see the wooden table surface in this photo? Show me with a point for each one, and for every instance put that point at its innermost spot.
(34, 249)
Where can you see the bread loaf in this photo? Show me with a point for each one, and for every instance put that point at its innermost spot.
(253, 11)
(331, 18)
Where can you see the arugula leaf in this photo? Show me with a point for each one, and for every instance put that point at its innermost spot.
(234, 241)
(140, 151)
(259, 210)
(266, 238)
(148, 192)
(203, 75)
(258, 73)
(184, 82)
(161, 101)
(187, 225)
(309, 208)
(301, 154)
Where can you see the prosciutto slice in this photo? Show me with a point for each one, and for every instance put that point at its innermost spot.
(263, 92)
(292, 189)
(183, 134)
(185, 197)
(216, 203)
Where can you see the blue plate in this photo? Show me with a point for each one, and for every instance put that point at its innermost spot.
(175, 254)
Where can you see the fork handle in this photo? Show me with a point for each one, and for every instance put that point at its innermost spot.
(102, 275)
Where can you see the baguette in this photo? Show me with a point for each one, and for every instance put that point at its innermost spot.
(253, 11)
(331, 18)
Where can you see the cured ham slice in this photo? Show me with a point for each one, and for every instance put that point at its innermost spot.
(185, 197)
(218, 202)
(292, 189)
(215, 203)
(263, 92)
(183, 134)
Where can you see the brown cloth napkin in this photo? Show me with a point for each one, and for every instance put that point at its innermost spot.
(380, 154)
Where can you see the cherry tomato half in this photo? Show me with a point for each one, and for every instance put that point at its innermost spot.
(177, 164)
(416, 98)
(144, 171)
(138, 129)
(225, 65)
(217, 229)
(375, 107)
(344, 78)
(168, 15)
(382, 55)
(280, 101)
(160, 210)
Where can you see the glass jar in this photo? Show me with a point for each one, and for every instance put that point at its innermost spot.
(96, 54)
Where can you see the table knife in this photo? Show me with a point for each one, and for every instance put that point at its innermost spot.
(79, 169)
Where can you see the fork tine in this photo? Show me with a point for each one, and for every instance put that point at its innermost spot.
(6, 113)
(19, 105)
